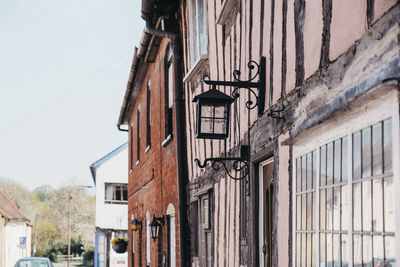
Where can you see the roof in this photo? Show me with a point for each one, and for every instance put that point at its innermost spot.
(99, 162)
(8, 209)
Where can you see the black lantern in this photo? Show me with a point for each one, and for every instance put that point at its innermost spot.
(155, 225)
(213, 111)
(136, 225)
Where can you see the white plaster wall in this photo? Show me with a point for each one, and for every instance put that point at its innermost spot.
(13, 250)
(113, 170)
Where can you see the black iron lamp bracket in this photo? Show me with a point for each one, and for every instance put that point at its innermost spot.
(239, 165)
(159, 220)
(277, 113)
(249, 84)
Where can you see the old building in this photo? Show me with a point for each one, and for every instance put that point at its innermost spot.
(111, 182)
(151, 113)
(319, 184)
(15, 233)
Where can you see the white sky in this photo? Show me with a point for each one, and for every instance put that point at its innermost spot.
(64, 66)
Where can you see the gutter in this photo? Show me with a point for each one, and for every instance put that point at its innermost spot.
(179, 123)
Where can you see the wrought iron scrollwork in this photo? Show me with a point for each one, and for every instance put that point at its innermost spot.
(251, 65)
(239, 165)
(277, 113)
(257, 96)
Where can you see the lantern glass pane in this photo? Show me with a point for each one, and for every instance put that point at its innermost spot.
(206, 125)
(207, 111)
(219, 126)
(220, 111)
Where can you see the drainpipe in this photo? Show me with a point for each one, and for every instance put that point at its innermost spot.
(179, 123)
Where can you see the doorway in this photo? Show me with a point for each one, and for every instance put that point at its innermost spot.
(265, 200)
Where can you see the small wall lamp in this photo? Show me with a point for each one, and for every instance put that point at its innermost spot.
(155, 225)
(136, 225)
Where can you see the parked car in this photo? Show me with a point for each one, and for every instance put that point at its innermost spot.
(34, 262)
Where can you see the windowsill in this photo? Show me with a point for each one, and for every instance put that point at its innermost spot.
(166, 141)
(116, 202)
(147, 149)
(137, 162)
(226, 11)
(197, 69)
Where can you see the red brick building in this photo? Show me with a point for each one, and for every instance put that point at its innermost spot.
(151, 114)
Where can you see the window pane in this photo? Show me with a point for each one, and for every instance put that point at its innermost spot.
(387, 145)
(322, 248)
(207, 111)
(357, 207)
(377, 222)
(336, 249)
(366, 203)
(390, 253)
(304, 250)
(314, 168)
(357, 250)
(303, 173)
(345, 208)
(219, 126)
(314, 214)
(206, 126)
(377, 148)
(125, 193)
(329, 164)
(329, 249)
(378, 251)
(309, 211)
(313, 252)
(309, 171)
(109, 192)
(344, 158)
(298, 250)
(323, 166)
(118, 193)
(303, 211)
(389, 205)
(336, 208)
(344, 251)
(337, 161)
(367, 251)
(202, 26)
(322, 209)
(357, 155)
(329, 208)
(298, 174)
(366, 152)
(220, 112)
(298, 212)
(309, 249)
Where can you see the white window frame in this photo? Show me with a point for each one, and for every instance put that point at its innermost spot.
(197, 52)
(114, 186)
(261, 209)
(381, 106)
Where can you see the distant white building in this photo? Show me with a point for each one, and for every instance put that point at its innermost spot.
(15, 233)
(110, 175)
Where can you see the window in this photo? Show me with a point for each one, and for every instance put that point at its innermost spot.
(116, 193)
(169, 85)
(197, 29)
(138, 136)
(206, 239)
(349, 181)
(148, 116)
